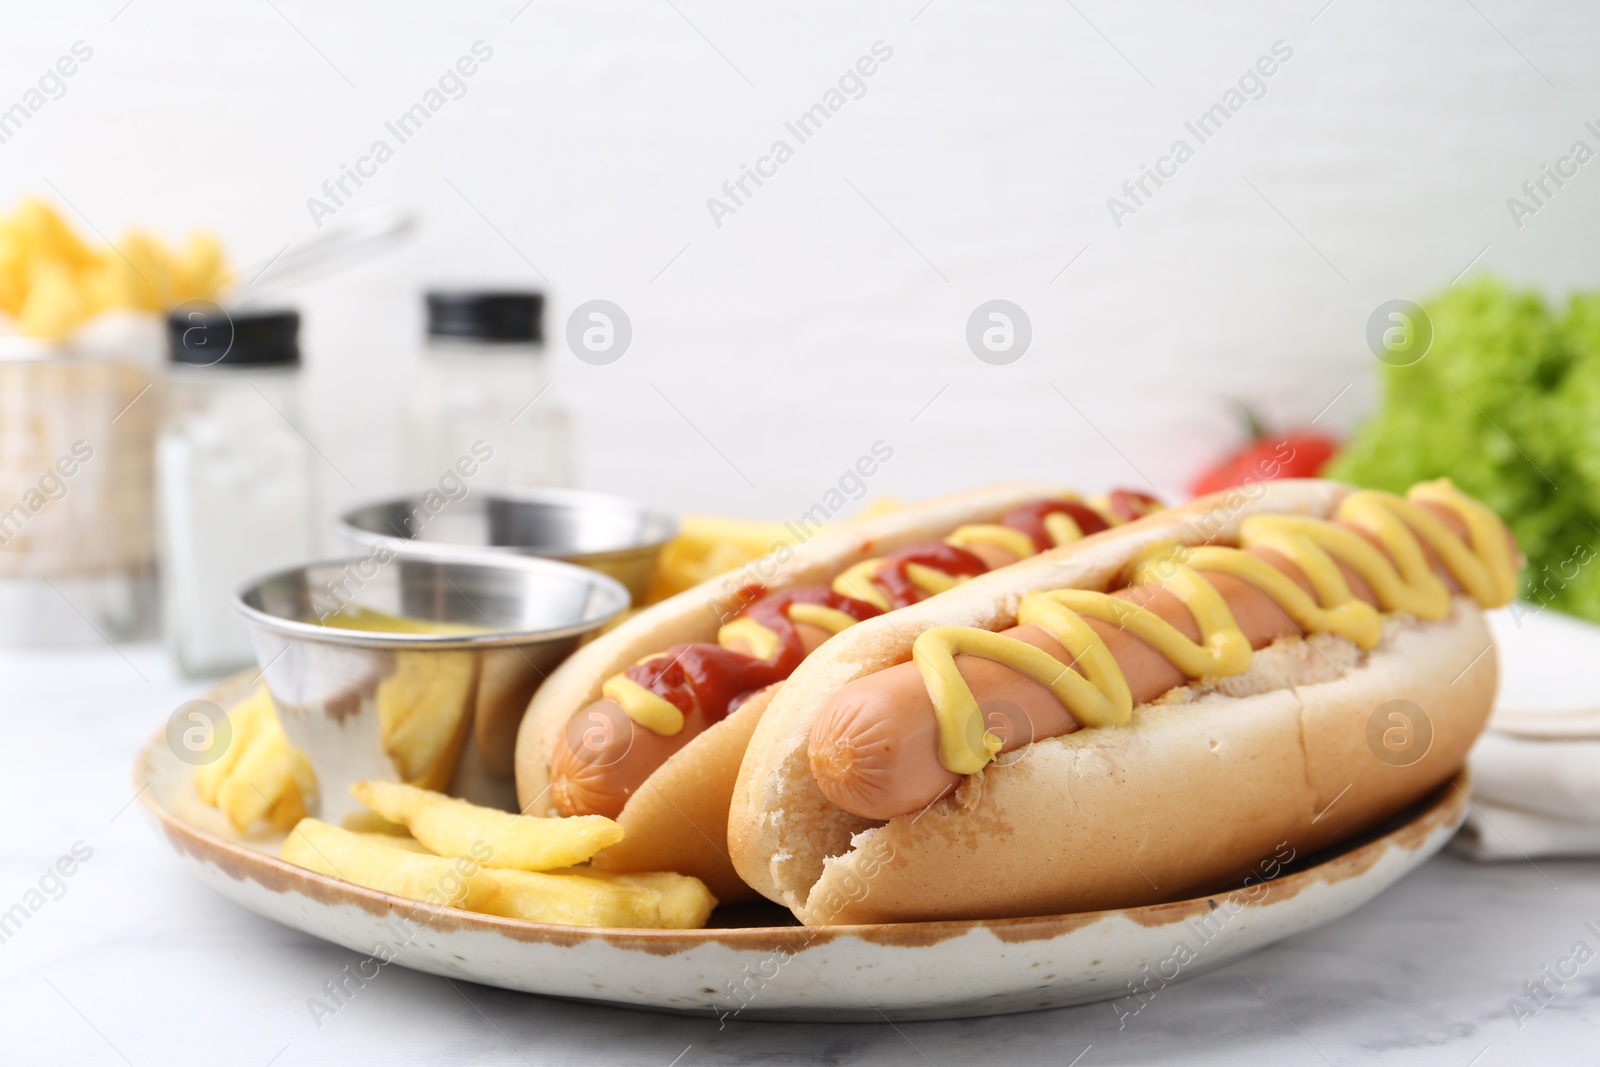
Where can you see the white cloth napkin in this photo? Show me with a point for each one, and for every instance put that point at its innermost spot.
(1536, 770)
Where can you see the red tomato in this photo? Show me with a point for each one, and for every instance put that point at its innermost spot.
(1294, 455)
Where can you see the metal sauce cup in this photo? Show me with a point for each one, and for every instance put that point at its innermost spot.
(439, 710)
(610, 534)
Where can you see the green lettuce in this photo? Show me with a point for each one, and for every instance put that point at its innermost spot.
(1506, 402)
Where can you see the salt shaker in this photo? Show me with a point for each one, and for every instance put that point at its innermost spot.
(234, 477)
(485, 390)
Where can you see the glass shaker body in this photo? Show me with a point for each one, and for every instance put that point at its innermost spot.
(478, 393)
(236, 499)
(484, 393)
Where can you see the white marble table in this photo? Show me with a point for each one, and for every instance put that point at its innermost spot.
(130, 961)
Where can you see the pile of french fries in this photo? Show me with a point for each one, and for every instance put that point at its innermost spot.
(51, 281)
(425, 846)
(443, 851)
(424, 709)
(709, 545)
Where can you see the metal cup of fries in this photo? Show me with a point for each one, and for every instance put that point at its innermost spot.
(414, 668)
(610, 534)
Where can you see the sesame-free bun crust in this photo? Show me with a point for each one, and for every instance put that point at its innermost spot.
(678, 820)
(1204, 786)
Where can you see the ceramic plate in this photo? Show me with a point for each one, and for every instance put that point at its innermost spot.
(755, 964)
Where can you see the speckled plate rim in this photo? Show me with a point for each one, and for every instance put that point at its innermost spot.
(1435, 817)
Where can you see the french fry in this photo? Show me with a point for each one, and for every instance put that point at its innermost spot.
(453, 827)
(305, 779)
(682, 902)
(751, 535)
(708, 545)
(258, 784)
(13, 269)
(55, 302)
(289, 807)
(199, 271)
(370, 822)
(48, 236)
(572, 900)
(152, 265)
(246, 719)
(423, 713)
(403, 842)
(326, 849)
(685, 902)
(116, 285)
(259, 775)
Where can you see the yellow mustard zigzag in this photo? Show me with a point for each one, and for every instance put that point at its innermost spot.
(1099, 696)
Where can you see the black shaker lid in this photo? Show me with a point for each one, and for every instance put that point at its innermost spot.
(204, 335)
(486, 315)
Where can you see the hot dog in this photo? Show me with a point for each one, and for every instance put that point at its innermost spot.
(617, 729)
(875, 748)
(1165, 675)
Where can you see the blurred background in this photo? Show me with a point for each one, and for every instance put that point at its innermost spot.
(936, 155)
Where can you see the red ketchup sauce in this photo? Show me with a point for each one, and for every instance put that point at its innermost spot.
(716, 677)
(773, 613)
(1029, 518)
(897, 585)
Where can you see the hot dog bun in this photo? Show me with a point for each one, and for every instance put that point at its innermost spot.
(1202, 786)
(682, 810)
